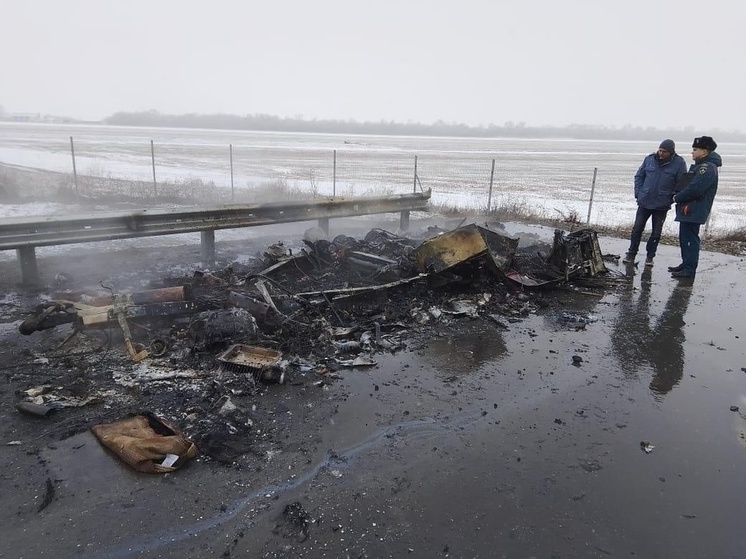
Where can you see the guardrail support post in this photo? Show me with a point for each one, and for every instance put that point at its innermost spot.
(324, 224)
(404, 221)
(29, 270)
(208, 246)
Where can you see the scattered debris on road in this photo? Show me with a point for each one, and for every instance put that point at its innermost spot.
(209, 341)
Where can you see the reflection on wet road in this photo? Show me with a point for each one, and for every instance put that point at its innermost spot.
(642, 337)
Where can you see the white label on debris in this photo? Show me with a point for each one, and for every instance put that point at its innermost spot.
(170, 460)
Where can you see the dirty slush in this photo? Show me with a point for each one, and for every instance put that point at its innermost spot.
(450, 392)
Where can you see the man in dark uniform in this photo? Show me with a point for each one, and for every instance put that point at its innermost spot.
(694, 202)
(655, 182)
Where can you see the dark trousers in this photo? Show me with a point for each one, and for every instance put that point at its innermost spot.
(641, 219)
(689, 244)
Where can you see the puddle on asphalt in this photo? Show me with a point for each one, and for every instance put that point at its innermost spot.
(465, 349)
(79, 462)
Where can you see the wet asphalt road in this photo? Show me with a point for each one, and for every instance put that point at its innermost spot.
(484, 443)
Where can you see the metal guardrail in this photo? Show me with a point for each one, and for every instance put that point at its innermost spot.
(25, 234)
(59, 230)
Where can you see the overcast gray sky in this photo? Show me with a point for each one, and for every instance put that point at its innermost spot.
(664, 63)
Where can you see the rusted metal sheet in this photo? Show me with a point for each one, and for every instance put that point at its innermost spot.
(463, 244)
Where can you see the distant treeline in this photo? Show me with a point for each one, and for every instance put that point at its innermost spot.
(270, 123)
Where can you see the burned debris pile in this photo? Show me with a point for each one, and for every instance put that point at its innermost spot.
(211, 340)
(339, 296)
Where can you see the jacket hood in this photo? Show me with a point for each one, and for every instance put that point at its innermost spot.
(714, 158)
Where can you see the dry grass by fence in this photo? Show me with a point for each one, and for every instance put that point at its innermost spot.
(19, 185)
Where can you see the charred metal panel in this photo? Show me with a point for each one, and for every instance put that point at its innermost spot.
(464, 244)
(577, 253)
(249, 359)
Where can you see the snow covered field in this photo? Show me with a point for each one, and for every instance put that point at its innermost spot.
(548, 176)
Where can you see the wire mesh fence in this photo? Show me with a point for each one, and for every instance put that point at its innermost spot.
(460, 180)
(548, 178)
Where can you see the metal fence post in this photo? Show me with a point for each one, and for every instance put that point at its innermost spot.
(152, 158)
(415, 174)
(492, 178)
(75, 171)
(334, 175)
(590, 202)
(230, 146)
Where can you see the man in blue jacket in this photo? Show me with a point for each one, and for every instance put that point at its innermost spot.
(655, 182)
(694, 202)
